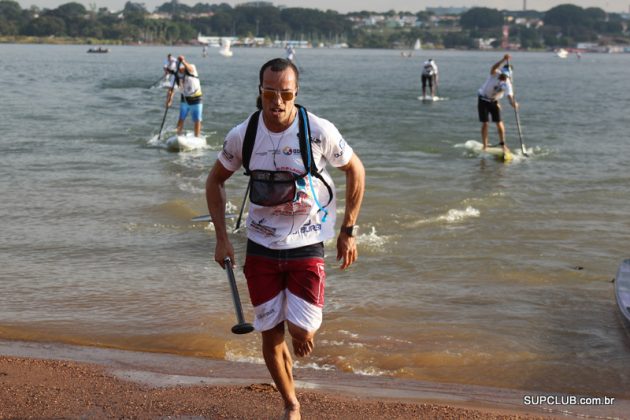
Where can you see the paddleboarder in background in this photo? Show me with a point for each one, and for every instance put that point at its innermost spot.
(430, 76)
(496, 85)
(290, 53)
(288, 221)
(187, 79)
(170, 66)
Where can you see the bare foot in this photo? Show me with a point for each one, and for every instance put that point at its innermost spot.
(292, 412)
(302, 348)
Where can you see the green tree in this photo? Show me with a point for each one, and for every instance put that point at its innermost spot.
(566, 15)
(68, 11)
(481, 18)
(46, 26)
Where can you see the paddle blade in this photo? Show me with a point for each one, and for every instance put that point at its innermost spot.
(242, 328)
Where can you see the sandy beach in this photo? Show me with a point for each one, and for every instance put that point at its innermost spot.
(61, 381)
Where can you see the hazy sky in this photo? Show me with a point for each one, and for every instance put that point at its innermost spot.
(345, 6)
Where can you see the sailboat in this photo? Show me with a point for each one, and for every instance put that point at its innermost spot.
(417, 46)
(225, 50)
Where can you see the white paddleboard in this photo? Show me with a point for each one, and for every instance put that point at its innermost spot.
(622, 290)
(477, 147)
(428, 98)
(184, 143)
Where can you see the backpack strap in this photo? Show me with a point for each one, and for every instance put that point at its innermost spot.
(307, 153)
(249, 140)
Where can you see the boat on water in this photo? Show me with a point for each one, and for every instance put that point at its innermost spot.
(562, 53)
(99, 50)
(418, 45)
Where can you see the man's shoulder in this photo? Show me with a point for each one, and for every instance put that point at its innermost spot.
(320, 124)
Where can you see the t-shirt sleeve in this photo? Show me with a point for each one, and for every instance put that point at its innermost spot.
(231, 154)
(334, 148)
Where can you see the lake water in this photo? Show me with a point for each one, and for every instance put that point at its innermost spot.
(471, 271)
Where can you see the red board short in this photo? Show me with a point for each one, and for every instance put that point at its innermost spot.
(286, 285)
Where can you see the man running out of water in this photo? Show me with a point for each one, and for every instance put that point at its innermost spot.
(292, 213)
(496, 85)
(190, 86)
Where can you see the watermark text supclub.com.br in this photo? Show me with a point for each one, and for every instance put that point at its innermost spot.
(566, 400)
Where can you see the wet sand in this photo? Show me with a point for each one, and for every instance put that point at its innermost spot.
(60, 381)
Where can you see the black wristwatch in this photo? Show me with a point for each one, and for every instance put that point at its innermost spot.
(351, 231)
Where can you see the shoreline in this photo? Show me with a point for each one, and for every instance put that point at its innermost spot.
(58, 380)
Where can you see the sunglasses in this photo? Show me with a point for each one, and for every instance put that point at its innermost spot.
(272, 94)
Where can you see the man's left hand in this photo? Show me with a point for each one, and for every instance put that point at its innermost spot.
(346, 250)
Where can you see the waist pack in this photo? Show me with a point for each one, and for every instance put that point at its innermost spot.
(272, 188)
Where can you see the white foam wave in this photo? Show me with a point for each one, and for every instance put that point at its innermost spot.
(454, 215)
(313, 366)
(341, 343)
(348, 333)
(190, 187)
(231, 356)
(372, 239)
(370, 371)
(451, 216)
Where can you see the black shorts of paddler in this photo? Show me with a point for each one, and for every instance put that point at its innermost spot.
(488, 106)
(426, 78)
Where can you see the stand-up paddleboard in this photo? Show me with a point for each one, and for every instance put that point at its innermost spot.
(495, 151)
(184, 143)
(622, 290)
(428, 98)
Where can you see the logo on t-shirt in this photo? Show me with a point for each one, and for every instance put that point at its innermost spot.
(288, 151)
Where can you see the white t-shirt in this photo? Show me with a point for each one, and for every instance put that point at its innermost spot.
(493, 88)
(170, 64)
(191, 85)
(429, 68)
(295, 224)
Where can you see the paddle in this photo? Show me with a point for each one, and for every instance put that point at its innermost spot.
(240, 214)
(170, 92)
(241, 327)
(208, 218)
(157, 81)
(518, 120)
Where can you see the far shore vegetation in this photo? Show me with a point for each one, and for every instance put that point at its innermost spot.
(563, 26)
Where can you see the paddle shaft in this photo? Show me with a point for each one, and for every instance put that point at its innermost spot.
(240, 214)
(241, 327)
(518, 120)
(156, 82)
(170, 93)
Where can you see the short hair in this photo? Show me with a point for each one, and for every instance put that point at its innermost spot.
(276, 65)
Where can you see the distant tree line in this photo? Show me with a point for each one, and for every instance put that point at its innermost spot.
(564, 25)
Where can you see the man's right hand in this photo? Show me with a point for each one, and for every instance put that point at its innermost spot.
(222, 251)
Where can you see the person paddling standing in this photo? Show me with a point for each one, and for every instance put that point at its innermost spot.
(188, 81)
(170, 67)
(493, 89)
(430, 76)
(288, 220)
